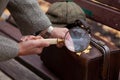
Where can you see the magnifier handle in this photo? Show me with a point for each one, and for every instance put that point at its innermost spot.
(54, 40)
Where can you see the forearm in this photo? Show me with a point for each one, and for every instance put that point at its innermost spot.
(28, 16)
(8, 49)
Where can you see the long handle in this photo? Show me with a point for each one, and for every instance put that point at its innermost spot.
(54, 40)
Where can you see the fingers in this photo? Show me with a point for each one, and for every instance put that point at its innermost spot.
(65, 30)
(25, 38)
(30, 37)
(37, 41)
(37, 50)
(59, 32)
(32, 47)
(40, 43)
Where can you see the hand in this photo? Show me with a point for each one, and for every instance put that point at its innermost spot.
(34, 45)
(59, 33)
(30, 37)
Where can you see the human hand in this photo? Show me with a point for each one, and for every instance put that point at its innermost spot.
(30, 37)
(34, 45)
(59, 33)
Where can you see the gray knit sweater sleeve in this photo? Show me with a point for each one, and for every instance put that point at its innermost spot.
(8, 49)
(3, 4)
(28, 15)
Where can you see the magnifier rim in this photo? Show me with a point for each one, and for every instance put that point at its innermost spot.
(79, 50)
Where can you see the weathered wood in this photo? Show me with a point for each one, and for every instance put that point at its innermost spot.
(10, 31)
(113, 3)
(101, 14)
(17, 71)
(34, 63)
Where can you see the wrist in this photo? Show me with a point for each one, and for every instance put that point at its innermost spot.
(50, 29)
(47, 33)
(20, 52)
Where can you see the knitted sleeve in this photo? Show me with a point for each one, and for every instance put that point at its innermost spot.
(28, 15)
(8, 49)
(3, 4)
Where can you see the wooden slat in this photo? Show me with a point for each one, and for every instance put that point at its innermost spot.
(34, 63)
(52, 1)
(10, 30)
(102, 14)
(113, 3)
(17, 71)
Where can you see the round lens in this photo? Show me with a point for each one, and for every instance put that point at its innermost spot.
(77, 39)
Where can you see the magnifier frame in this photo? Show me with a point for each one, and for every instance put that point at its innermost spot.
(79, 42)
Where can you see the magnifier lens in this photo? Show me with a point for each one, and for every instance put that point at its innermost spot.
(69, 42)
(77, 40)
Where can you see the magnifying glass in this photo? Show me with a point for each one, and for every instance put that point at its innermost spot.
(76, 40)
